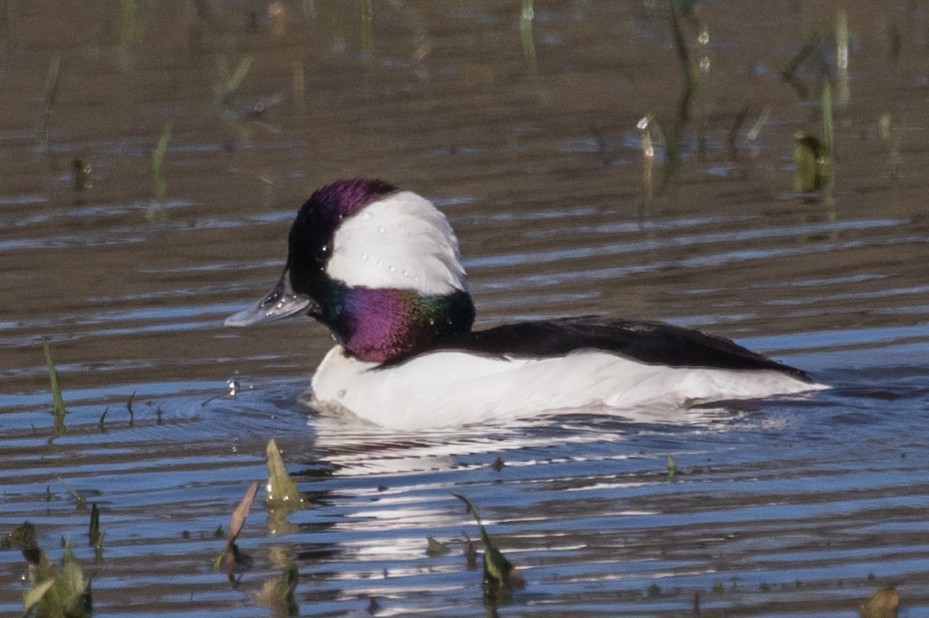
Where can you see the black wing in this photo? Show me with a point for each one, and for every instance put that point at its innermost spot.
(654, 343)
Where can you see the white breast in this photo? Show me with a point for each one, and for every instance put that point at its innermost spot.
(445, 389)
(402, 241)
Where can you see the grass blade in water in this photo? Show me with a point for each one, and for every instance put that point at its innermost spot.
(231, 555)
(59, 402)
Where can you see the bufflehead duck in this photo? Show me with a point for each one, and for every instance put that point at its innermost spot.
(380, 267)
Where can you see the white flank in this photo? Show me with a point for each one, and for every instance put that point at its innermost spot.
(402, 241)
(444, 389)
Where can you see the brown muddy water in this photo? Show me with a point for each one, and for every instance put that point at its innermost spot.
(519, 119)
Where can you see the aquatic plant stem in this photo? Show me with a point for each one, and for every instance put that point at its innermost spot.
(59, 410)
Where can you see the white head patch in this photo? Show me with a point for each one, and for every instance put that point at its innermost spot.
(401, 241)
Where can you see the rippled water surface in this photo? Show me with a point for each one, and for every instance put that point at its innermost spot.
(520, 120)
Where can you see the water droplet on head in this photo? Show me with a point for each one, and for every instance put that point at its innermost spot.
(340, 394)
(381, 229)
(391, 268)
(366, 215)
(364, 257)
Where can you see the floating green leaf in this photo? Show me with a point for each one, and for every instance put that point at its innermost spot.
(57, 591)
(435, 548)
(500, 576)
(281, 491)
(35, 595)
(59, 403)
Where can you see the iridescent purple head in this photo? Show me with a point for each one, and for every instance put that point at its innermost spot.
(310, 243)
(379, 266)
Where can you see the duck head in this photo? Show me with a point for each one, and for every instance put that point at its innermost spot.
(380, 267)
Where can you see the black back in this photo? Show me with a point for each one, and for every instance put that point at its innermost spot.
(654, 343)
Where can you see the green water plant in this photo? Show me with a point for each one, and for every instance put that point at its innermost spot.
(52, 590)
(814, 159)
(228, 80)
(94, 534)
(79, 501)
(891, 135)
(52, 81)
(282, 496)
(500, 576)
(281, 490)
(843, 87)
(526, 19)
(435, 548)
(81, 174)
(133, 22)
(367, 32)
(811, 163)
(827, 119)
(884, 603)
(58, 409)
(130, 410)
(648, 159)
(680, 14)
(672, 470)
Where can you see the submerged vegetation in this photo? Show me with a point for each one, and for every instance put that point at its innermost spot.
(52, 590)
